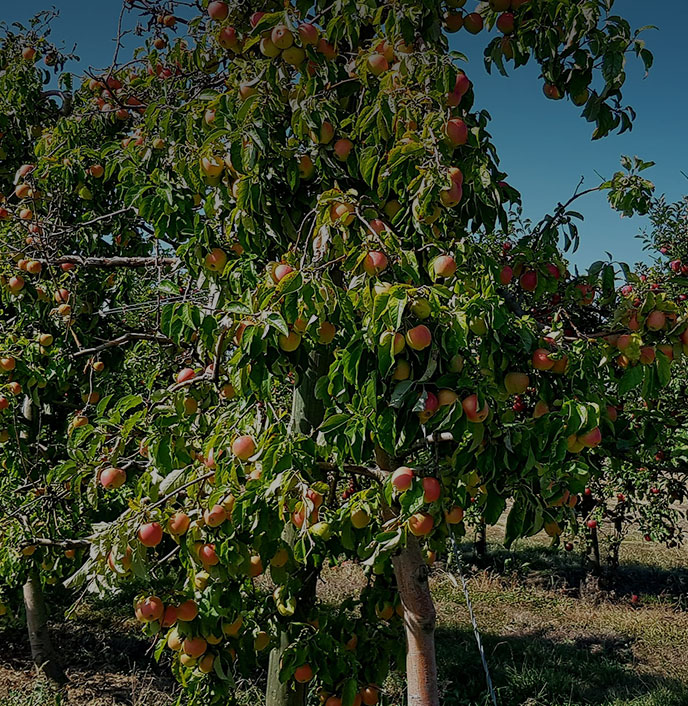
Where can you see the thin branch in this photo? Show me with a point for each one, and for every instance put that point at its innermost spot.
(122, 340)
(108, 262)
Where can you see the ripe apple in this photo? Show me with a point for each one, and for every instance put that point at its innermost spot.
(194, 646)
(343, 213)
(218, 10)
(212, 166)
(612, 413)
(552, 92)
(453, 21)
(444, 266)
(647, 355)
(456, 131)
(112, 478)
(306, 167)
(149, 609)
(185, 375)
(16, 284)
(529, 281)
(342, 149)
(506, 23)
(150, 534)
(280, 272)
(208, 556)
(419, 337)
(326, 49)
(432, 490)
(560, 365)
(592, 438)
(374, 263)
(244, 447)
(255, 566)
(516, 383)
(360, 518)
(255, 18)
(179, 523)
(541, 360)
(377, 64)
(454, 516)
(215, 516)
(506, 275)
(169, 617)
(470, 408)
(421, 524)
(656, 320)
(308, 34)
(8, 364)
(402, 478)
(303, 674)
(541, 408)
(586, 293)
(473, 23)
(326, 134)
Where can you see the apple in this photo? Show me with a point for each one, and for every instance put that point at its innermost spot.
(112, 478)
(591, 524)
(470, 408)
(377, 64)
(541, 408)
(268, 49)
(553, 270)
(290, 342)
(402, 478)
(308, 34)
(587, 293)
(149, 609)
(150, 534)
(169, 617)
(454, 516)
(667, 350)
(647, 355)
(303, 674)
(451, 196)
(212, 166)
(8, 364)
(612, 413)
(374, 263)
(456, 131)
(326, 134)
(560, 365)
(306, 167)
(194, 646)
(431, 490)
(591, 439)
(244, 447)
(421, 308)
(218, 10)
(421, 524)
(402, 371)
(343, 213)
(453, 21)
(33, 267)
(384, 611)
(255, 567)
(208, 556)
(506, 23)
(419, 337)
(552, 92)
(326, 49)
(506, 275)
(656, 320)
(541, 360)
(473, 23)
(179, 523)
(294, 56)
(516, 383)
(444, 266)
(529, 281)
(255, 18)
(16, 284)
(280, 272)
(281, 37)
(573, 444)
(446, 398)
(326, 333)
(342, 149)
(185, 375)
(215, 516)
(360, 518)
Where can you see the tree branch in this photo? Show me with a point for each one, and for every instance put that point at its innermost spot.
(108, 262)
(122, 340)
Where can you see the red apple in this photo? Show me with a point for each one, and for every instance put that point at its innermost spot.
(432, 490)
(112, 478)
(244, 447)
(402, 478)
(150, 534)
(470, 408)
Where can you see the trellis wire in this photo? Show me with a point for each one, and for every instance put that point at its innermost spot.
(476, 631)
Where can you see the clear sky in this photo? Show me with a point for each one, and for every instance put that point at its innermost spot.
(545, 146)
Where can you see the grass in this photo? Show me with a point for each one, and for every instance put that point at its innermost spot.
(551, 638)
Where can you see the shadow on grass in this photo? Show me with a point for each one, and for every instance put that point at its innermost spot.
(557, 569)
(532, 670)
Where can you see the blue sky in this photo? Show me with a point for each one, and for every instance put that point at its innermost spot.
(545, 146)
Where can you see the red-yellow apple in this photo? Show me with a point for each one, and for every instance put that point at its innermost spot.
(470, 408)
(377, 64)
(308, 34)
(280, 272)
(218, 10)
(113, 478)
(282, 37)
(444, 266)
(592, 438)
(243, 447)
(473, 22)
(179, 523)
(185, 375)
(374, 263)
(529, 281)
(290, 342)
(419, 337)
(656, 320)
(303, 674)
(541, 360)
(402, 478)
(215, 516)
(431, 490)
(326, 333)
(208, 556)
(342, 149)
(421, 524)
(506, 23)
(454, 516)
(150, 534)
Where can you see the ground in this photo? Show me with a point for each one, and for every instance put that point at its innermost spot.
(550, 637)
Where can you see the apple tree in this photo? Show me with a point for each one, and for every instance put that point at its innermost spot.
(281, 224)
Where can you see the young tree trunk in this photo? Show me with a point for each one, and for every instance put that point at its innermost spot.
(481, 539)
(306, 417)
(419, 622)
(42, 651)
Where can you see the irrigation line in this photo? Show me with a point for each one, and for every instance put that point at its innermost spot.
(476, 631)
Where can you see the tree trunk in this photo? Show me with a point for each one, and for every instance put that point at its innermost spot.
(419, 622)
(306, 417)
(42, 651)
(481, 539)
